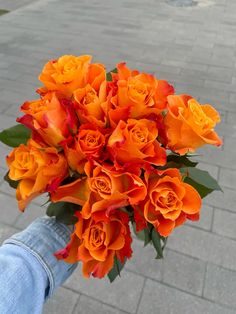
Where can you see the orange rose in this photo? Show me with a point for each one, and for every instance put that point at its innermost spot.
(141, 92)
(190, 125)
(169, 200)
(38, 169)
(96, 243)
(65, 74)
(135, 141)
(51, 118)
(91, 105)
(88, 143)
(104, 189)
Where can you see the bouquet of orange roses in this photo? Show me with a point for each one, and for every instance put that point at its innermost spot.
(111, 150)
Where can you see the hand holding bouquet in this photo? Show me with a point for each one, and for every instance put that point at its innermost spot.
(111, 150)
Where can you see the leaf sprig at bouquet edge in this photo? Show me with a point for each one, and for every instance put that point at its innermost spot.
(110, 149)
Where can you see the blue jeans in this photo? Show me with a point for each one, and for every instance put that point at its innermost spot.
(29, 272)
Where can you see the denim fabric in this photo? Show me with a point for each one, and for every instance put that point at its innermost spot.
(29, 272)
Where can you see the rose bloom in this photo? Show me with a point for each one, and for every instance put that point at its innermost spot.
(88, 143)
(136, 141)
(38, 169)
(90, 105)
(141, 92)
(96, 243)
(103, 190)
(169, 201)
(190, 125)
(65, 74)
(53, 119)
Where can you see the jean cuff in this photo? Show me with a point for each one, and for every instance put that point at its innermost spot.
(42, 239)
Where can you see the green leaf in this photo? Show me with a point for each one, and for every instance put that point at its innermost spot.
(12, 183)
(202, 190)
(202, 177)
(177, 161)
(116, 269)
(15, 135)
(181, 160)
(156, 240)
(109, 76)
(143, 235)
(64, 212)
(3, 11)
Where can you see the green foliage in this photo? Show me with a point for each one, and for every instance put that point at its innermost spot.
(2, 11)
(201, 180)
(109, 76)
(12, 183)
(157, 243)
(15, 135)
(64, 212)
(116, 269)
(177, 161)
(143, 235)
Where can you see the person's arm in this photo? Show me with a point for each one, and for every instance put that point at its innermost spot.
(29, 272)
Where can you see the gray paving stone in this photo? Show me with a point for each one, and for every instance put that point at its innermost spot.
(183, 272)
(229, 144)
(9, 210)
(227, 178)
(5, 188)
(220, 74)
(63, 301)
(225, 199)
(14, 4)
(224, 223)
(220, 285)
(205, 220)
(231, 117)
(6, 122)
(161, 299)
(213, 170)
(29, 215)
(143, 261)
(218, 157)
(87, 305)
(6, 232)
(123, 293)
(204, 245)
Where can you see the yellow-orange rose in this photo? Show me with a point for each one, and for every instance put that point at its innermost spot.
(38, 169)
(88, 144)
(66, 74)
(102, 190)
(90, 105)
(141, 92)
(96, 243)
(190, 125)
(169, 200)
(53, 119)
(136, 142)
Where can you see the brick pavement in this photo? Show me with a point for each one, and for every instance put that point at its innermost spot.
(194, 48)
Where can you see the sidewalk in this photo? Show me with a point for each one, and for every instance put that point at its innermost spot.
(195, 49)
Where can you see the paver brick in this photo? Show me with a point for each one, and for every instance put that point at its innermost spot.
(205, 221)
(115, 294)
(162, 299)
(87, 305)
(204, 245)
(143, 261)
(183, 272)
(62, 302)
(227, 178)
(224, 223)
(220, 285)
